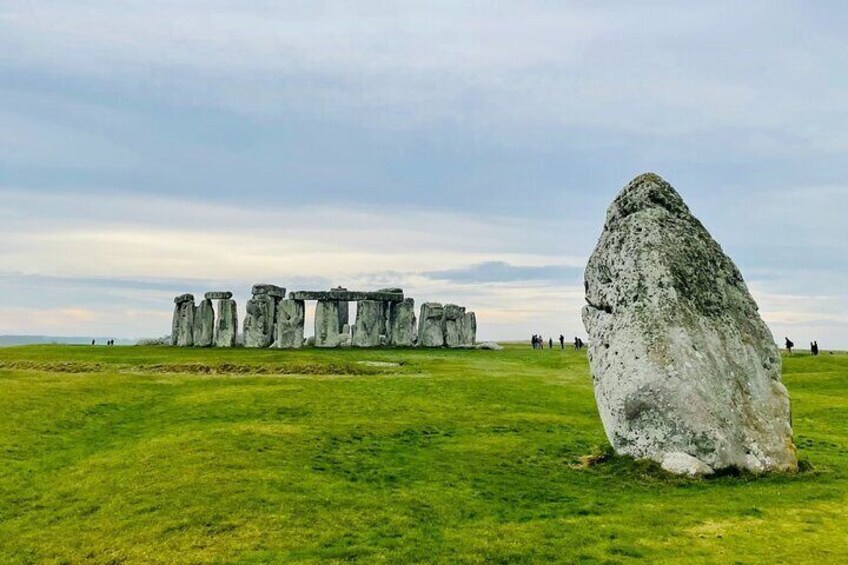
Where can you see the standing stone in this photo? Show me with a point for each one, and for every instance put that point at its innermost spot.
(452, 324)
(182, 326)
(259, 322)
(344, 309)
(402, 323)
(685, 371)
(204, 324)
(290, 320)
(327, 329)
(370, 324)
(226, 327)
(430, 325)
(468, 329)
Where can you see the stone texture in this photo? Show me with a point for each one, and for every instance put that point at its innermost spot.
(370, 324)
(681, 361)
(182, 326)
(452, 317)
(259, 321)
(290, 321)
(468, 329)
(402, 323)
(684, 464)
(327, 329)
(490, 345)
(272, 290)
(430, 325)
(346, 295)
(204, 324)
(226, 327)
(218, 295)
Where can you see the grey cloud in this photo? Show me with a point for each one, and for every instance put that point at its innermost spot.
(503, 272)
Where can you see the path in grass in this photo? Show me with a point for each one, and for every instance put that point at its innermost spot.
(146, 455)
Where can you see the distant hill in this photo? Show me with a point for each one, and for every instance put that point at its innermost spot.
(9, 340)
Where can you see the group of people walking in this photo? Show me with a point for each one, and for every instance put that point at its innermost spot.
(538, 342)
(814, 347)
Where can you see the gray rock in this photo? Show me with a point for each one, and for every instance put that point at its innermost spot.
(346, 295)
(259, 322)
(430, 325)
(370, 324)
(183, 322)
(184, 298)
(327, 329)
(226, 327)
(681, 361)
(290, 321)
(684, 464)
(272, 290)
(490, 345)
(452, 318)
(204, 324)
(402, 323)
(218, 295)
(468, 329)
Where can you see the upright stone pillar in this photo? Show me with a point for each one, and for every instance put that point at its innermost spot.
(468, 329)
(402, 323)
(344, 309)
(260, 321)
(289, 328)
(430, 325)
(370, 324)
(183, 324)
(204, 324)
(453, 325)
(327, 329)
(226, 327)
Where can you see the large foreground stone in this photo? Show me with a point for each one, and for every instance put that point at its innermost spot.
(259, 322)
(204, 324)
(430, 325)
(685, 371)
(370, 324)
(402, 323)
(290, 319)
(226, 328)
(182, 326)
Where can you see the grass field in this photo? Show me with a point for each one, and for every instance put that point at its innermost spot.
(161, 455)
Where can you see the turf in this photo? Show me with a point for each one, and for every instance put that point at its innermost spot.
(162, 455)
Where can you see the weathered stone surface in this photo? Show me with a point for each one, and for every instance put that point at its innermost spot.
(370, 324)
(184, 298)
(490, 345)
(402, 323)
(183, 323)
(346, 295)
(218, 295)
(290, 321)
(204, 324)
(226, 328)
(452, 324)
(684, 464)
(269, 290)
(327, 329)
(430, 325)
(681, 361)
(468, 329)
(259, 322)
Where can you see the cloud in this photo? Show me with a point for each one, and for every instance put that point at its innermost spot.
(500, 271)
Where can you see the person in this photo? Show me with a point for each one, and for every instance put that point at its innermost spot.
(789, 345)
(550, 343)
(814, 348)
(561, 341)
(92, 342)
(579, 343)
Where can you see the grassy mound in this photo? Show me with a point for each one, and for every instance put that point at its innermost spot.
(161, 455)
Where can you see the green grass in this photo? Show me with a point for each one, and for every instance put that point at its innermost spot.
(162, 455)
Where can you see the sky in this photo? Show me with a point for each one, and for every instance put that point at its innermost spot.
(465, 151)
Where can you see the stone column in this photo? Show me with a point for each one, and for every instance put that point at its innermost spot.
(226, 327)
(468, 329)
(370, 324)
(344, 309)
(260, 321)
(402, 323)
(204, 324)
(289, 328)
(327, 329)
(430, 325)
(452, 324)
(183, 323)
